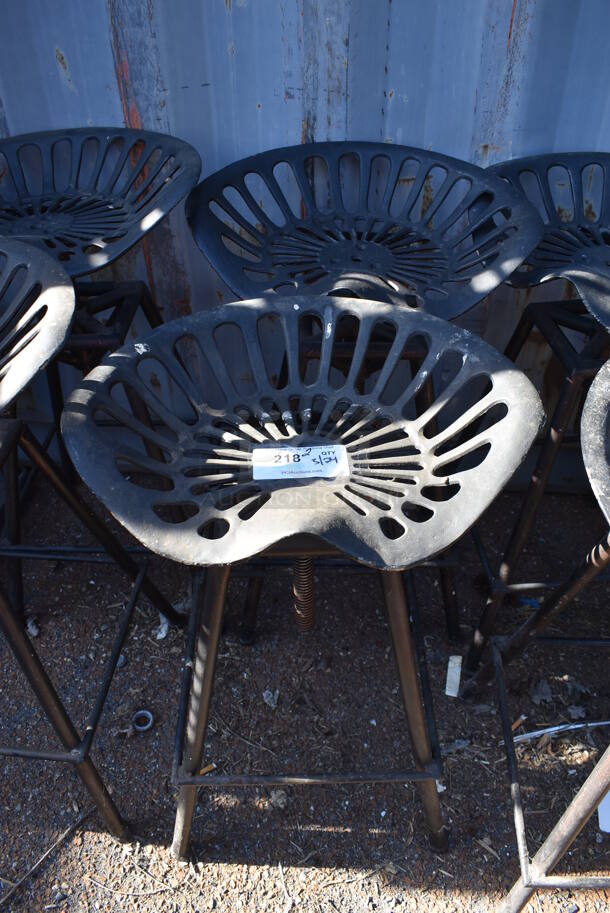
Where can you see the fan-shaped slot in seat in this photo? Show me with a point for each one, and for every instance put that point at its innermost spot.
(592, 177)
(214, 529)
(192, 359)
(162, 388)
(22, 333)
(380, 343)
(417, 513)
(289, 188)
(273, 346)
(350, 181)
(262, 194)
(560, 184)
(233, 351)
(467, 394)
(391, 528)
(471, 459)
(316, 170)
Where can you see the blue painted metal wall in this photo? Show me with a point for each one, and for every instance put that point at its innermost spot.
(480, 79)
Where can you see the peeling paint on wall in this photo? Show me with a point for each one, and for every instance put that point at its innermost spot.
(141, 90)
(62, 63)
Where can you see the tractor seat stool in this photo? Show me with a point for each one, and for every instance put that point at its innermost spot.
(366, 220)
(571, 192)
(85, 196)
(378, 221)
(219, 436)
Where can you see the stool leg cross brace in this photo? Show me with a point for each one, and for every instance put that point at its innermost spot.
(202, 650)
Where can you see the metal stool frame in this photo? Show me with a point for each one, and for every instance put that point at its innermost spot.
(36, 312)
(595, 436)
(76, 749)
(197, 683)
(580, 367)
(535, 872)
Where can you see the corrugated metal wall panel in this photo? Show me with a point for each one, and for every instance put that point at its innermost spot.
(480, 79)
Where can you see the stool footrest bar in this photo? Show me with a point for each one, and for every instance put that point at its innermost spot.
(433, 771)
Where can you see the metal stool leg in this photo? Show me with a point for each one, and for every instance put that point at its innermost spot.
(556, 601)
(565, 410)
(57, 404)
(561, 838)
(214, 592)
(450, 602)
(149, 307)
(41, 460)
(12, 525)
(520, 335)
(53, 708)
(404, 650)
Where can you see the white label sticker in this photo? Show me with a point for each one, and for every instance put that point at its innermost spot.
(300, 462)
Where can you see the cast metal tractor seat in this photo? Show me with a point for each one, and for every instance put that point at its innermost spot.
(223, 433)
(370, 220)
(571, 191)
(87, 195)
(36, 311)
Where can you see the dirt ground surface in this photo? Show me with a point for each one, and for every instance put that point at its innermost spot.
(340, 848)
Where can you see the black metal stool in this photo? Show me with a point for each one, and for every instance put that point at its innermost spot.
(572, 195)
(86, 196)
(254, 435)
(536, 872)
(571, 192)
(371, 220)
(595, 437)
(36, 310)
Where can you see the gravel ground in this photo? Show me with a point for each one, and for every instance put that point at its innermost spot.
(357, 848)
